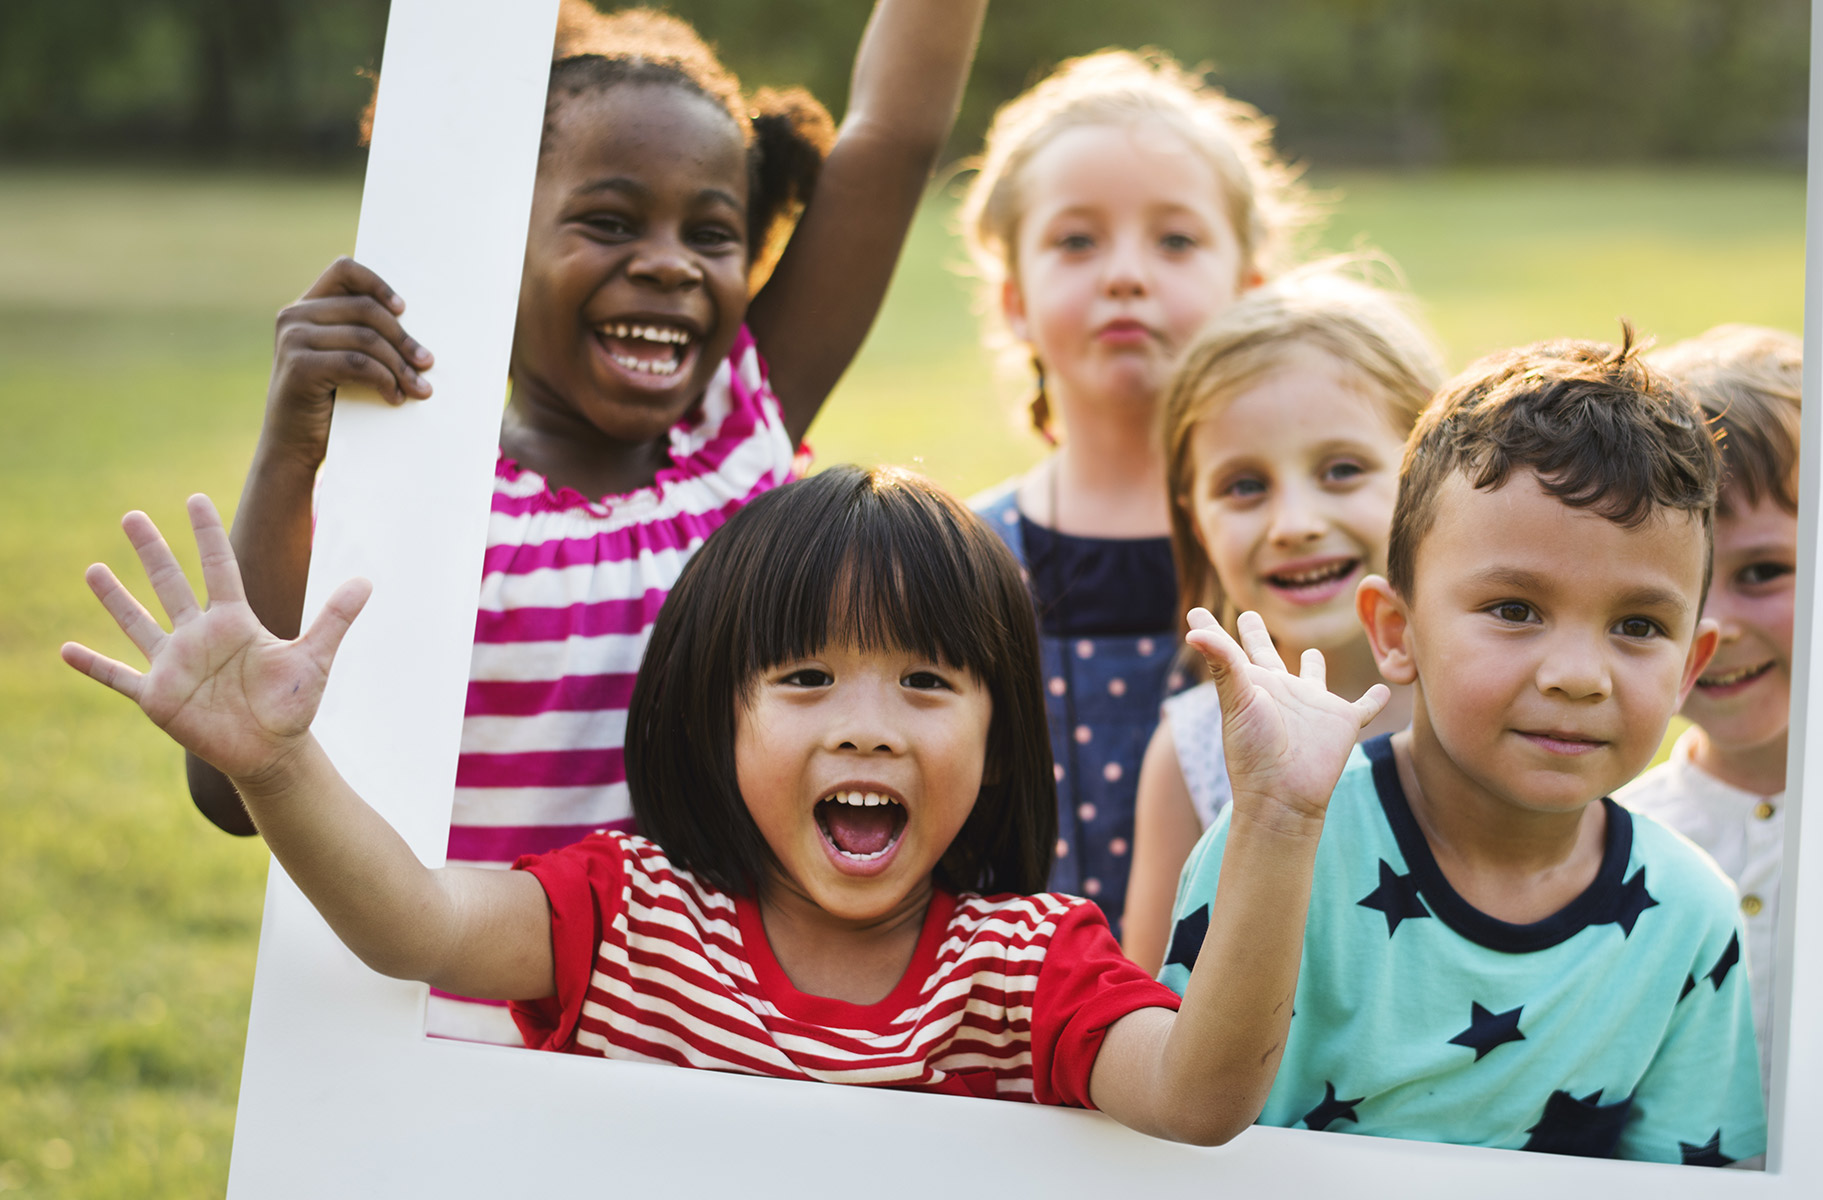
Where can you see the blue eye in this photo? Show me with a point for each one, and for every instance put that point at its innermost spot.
(1245, 488)
(1178, 243)
(1342, 471)
(1075, 242)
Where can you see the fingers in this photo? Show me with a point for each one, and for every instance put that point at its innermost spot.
(128, 613)
(1312, 667)
(162, 572)
(1257, 642)
(325, 634)
(117, 675)
(221, 573)
(352, 340)
(346, 277)
(1369, 705)
(1227, 661)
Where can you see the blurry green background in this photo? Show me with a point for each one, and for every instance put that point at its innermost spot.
(1555, 170)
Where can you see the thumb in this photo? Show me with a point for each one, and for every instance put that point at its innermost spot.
(324, 637)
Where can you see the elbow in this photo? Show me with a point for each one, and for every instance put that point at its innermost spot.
(1210, 1129)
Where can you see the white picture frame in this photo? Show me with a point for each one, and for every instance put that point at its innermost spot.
(343, 1095)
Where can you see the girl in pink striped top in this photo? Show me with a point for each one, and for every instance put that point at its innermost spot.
(642, 413)
(839, 760)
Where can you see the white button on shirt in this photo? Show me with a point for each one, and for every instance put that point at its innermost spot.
(1745, 833)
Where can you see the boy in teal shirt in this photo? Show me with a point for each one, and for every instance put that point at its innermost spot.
(1496, 954)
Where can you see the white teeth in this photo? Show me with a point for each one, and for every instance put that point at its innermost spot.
(860, 799)
(665, 367)
(1314, 575)
(648, 333)
(1733, 676)
(861, 857)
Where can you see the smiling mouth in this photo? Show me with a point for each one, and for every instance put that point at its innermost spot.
(1732, 678)
(647, 349)
(860, 826)
(1314, 579)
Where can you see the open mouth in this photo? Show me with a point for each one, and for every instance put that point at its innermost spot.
(647, 349)
(860, 826)
(1734, 678)
(1314, 583)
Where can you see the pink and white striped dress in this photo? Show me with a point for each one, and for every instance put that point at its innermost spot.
(569, 589)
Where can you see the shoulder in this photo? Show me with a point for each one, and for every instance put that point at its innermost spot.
(1008, 917)
(1682, 872)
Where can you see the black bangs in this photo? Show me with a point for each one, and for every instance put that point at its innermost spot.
(880, 560)
(869, 562)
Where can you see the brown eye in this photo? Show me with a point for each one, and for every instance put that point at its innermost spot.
(1513, 612)
(1637, 627)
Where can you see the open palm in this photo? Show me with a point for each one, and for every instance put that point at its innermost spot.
(219, 683)
(1286, 736)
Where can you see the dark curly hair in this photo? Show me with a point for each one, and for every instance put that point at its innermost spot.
(1594, 423)
(787, 133)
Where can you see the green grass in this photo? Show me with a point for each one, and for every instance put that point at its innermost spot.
(135, 329)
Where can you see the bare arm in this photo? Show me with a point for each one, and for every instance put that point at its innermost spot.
(1203, 1074)
(343, 331)
(241, 699)
(815, 311)
(1165, 830)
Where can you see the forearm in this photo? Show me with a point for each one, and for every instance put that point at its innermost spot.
(910, 71)
(1223, 1051)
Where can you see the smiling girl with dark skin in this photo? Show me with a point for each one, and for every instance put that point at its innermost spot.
(662, 376)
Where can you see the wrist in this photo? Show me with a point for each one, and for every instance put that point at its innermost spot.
(1272, 819)
(279, 776)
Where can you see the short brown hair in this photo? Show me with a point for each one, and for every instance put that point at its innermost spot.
(1750, 384)
(1371, 332)
(1597, 427)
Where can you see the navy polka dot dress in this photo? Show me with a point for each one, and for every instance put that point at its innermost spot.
(1107, 640)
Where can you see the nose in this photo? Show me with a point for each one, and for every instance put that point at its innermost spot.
(665, 262)
(1126, 273)
(864, 725)
(1575, 666)
(1296, 517)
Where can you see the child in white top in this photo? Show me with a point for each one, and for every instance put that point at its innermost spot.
(1724, 787)
(1283, 429)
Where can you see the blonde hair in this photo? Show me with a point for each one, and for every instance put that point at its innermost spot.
(1750, 383)
(1263, 200)
(1372, 332)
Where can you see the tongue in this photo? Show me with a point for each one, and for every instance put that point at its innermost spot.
(859, 830)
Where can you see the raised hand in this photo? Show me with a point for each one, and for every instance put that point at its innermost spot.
(344, 330)
(218, 683)
(1286, 736)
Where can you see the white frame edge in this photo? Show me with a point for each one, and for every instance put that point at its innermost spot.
(342, 1094)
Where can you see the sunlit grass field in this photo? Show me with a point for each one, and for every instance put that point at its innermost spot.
(135, 332)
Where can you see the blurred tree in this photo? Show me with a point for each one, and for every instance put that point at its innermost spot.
(1390, 81)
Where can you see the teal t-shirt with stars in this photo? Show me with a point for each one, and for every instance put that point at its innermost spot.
(1620, 1027)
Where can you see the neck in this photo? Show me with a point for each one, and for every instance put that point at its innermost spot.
(1108, 480)
(859, 961)
(570, 452)
(1759, 769)
(1514, 864)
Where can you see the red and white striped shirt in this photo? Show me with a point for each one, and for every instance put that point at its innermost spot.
(570, 587)
(1006, 996)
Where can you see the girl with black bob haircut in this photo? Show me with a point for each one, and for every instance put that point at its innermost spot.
(837, 752)
(874, 559)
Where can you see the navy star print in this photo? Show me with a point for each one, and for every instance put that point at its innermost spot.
(1725, 964)
(1331, 1109)
(1487, 1030)
(1586, 1127)
(1709, 1154)
(1187, 938)
(1396, 897)
(1629, 902)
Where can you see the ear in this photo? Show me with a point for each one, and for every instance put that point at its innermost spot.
(1251, 279)
(1387, 621)
(1702, 649)
(1012, 307)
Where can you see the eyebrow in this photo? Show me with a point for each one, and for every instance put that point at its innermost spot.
(1648, 596)
(625, 186)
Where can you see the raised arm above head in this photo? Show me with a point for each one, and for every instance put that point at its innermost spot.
(815, 311)
(1203, 1075)
(242, 700)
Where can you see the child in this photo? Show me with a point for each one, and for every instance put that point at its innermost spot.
(1724, 787)
(836, 751)
(642, 414)
(1120, 204)
(1283, 430)
(1497, 955)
